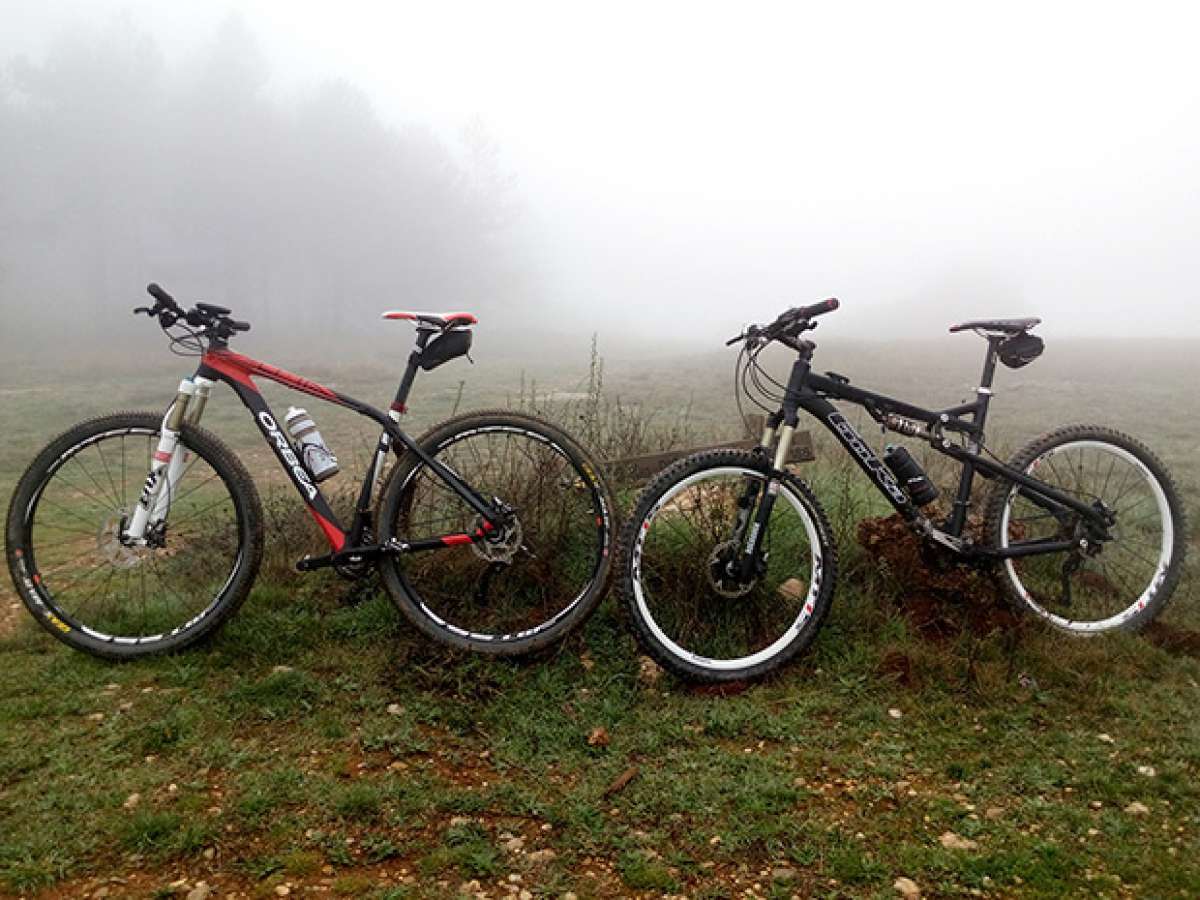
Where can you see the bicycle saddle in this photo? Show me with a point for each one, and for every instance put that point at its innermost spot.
(1001, 326)
(441, 320)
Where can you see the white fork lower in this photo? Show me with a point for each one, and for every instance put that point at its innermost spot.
(166, 468)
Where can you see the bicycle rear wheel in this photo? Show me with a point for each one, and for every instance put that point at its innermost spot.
(1097, 586)
(534, 581)
(94, 592)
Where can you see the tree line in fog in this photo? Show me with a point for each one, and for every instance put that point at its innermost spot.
(302, 211)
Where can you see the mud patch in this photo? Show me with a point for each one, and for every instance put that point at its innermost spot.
(939, 596)
(1179, 641)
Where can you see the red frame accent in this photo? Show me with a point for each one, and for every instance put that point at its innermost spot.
(333, 534)
(240, 368)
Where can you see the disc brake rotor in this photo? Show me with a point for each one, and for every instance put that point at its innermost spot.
(501, 549)
(119, 554)
(720, 579)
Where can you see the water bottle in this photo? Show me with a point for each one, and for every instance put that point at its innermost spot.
(910, 474)
(317, 457)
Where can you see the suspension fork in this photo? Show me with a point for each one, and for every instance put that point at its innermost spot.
(747, 500)
(782, 426)
(752, 547)
(168, 460)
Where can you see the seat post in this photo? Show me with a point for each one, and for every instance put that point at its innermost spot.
(400, 404)
(989, 362)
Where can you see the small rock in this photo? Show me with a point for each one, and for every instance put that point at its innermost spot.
(569, 895)
(279, 670)
(952, 841)
(525, 894)
(200, 892)
(649, 672)
(96, 717)
(792, 589)
(516, 845)
(282, 890)
(783, 873)
(132, 800)
(459, 821)
(541, 856)
(394, 709)
(895, 713)
(993, 813)
(1148, 771)
(1137, 808)
(100, 893)
(906, 887)
(1105, 738)
(209, 853)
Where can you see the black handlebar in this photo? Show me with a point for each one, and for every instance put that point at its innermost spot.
(789, 324)
(160, 295)
(213, 320)
(816, 309)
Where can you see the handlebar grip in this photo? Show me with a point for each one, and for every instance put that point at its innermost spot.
(817, 309)
(159, 294)
(239, 326)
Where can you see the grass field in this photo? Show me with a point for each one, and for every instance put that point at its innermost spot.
(319, 748)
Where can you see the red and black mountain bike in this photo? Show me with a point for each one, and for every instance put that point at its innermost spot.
(139, 533)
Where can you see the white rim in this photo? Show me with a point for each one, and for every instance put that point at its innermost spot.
(810, 600)
(1164, 559)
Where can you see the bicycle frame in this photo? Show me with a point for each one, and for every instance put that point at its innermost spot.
(220, 364)
(812, 393)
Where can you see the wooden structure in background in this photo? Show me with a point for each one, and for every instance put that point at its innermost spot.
(639, 468)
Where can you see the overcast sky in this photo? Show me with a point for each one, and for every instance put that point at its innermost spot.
(693, 166)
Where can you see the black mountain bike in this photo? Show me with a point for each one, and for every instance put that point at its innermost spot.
(728, 565)
(139, 533)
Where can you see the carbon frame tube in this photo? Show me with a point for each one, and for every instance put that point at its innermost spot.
(309, 492)
(818, 406)
(881, 476)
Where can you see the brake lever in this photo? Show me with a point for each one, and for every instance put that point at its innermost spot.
(752, 332)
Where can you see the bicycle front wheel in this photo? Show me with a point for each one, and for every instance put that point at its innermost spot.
(533, 581)
(100, 594)
(1122, 581)
(692, 609)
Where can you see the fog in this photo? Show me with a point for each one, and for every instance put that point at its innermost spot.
(657, 172)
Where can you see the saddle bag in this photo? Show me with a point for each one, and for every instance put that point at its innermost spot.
(1021, 349)
(446, 346)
